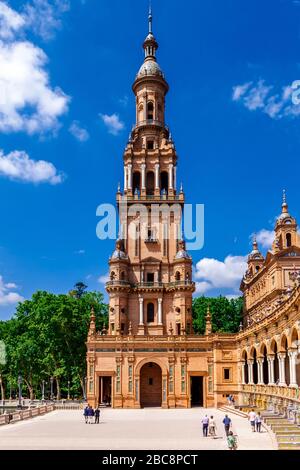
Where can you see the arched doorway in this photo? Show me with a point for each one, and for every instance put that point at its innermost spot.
(151, 385)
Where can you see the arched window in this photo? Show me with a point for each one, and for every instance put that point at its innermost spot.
(177, 276)
(288, 240)
(257, 268)
(136, 182)
(150, 183)
(150, 111)
(150, 313)
(164, 181)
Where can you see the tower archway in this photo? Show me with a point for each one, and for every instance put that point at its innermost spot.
(150, 385)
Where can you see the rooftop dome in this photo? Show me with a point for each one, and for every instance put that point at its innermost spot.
(119, 252)
(150, 67)
(182, 253)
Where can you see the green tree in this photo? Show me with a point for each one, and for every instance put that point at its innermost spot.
(226, 314)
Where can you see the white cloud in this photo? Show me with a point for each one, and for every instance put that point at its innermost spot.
(263, 97)
(103, 279)
(214, 274)
(113, 123)
(27, 102)
(240, 90)
(18, 166)
(10, 21)
(124, 101)
(10, 285)
(6, 296)
(79, 132)
(43, 17)
(265, 238)
(202, 287)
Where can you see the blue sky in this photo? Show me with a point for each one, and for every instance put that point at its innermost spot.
(67, 67)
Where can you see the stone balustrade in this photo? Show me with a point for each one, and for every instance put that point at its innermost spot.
(25, 414)
(279, 399)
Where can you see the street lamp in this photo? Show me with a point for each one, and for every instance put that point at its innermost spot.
(43, 390)
(68, 390)
(20, 381)
(51, 388)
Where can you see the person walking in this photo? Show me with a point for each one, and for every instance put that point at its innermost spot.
(258, 421)
(212, 427)
(205, 422)
(231, 441)
(252, 418)
(86, 413)
(227, 424)
(91, 414)
(97, 415)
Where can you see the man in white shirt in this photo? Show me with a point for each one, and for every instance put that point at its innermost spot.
(252, 418)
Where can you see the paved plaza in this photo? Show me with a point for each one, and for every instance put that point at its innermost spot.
(148, 429)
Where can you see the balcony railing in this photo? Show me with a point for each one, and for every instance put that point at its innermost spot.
(150, 285)
(151, 240)
(151, 122)
(115, 282)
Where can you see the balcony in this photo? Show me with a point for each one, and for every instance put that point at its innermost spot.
(151, 240)
(151, 285)
(151, 122)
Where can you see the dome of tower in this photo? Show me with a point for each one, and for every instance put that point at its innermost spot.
(119, 252)
(150, 68)
(182, 253)
(255, 253)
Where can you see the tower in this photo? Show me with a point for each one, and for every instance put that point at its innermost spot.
(150, 284)
(286, 235)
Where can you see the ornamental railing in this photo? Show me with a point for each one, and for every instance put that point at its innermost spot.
(272, 390)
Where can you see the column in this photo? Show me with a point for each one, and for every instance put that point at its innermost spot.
(129, 166)
(143, 168)
(159, 311)
(243, 364)
(101, 393)
(175, 177)
(171, 176)
(156, 175)
(281, 361)
(260, 372)
(271, 360)
(141, 300)
(250, 371)
(125, 178)
(292, 362)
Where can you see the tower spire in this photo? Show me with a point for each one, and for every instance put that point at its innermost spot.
(150, 17)
(284, 203)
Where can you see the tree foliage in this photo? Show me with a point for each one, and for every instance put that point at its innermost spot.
(226, 314)
(46, 338)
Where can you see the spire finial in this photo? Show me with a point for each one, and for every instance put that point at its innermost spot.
(150, 17)
(284, 203)
(254, 242)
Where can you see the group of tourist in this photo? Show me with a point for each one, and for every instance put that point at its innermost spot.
(255, 421)
(231, 400)
(91, 415)
(209, 428)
